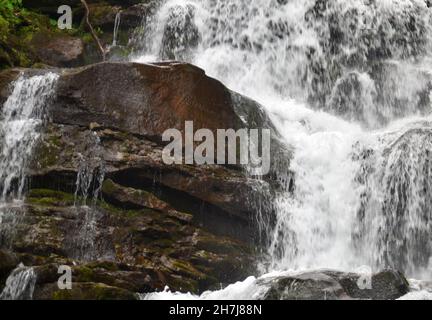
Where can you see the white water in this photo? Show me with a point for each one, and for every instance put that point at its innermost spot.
(344, 87)
(90, 177)
(20, 284)
(21, 117)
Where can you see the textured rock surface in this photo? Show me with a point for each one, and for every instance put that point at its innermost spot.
(333, 285)
(59, 51)
(189, 227)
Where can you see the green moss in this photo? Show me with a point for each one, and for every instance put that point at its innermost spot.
(183, 285)
(107, 265)
(48, 197)
(187, 269)
(108, 186)
(84, 274)
(121, 212)
(93, 291)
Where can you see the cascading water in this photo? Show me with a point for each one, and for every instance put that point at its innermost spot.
(20, 284)
(21, 118)
(22, 115)
(348, 85)
(90, 177)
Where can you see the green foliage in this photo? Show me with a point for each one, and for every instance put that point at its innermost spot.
(8, 9)
(8, 16)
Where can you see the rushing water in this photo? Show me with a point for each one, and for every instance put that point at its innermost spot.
(90, 177)
(348, 85)
(20, 126)
(20, 284)
(20, 123)
(21, 117)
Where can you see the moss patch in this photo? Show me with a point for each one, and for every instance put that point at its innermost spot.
(48, 197)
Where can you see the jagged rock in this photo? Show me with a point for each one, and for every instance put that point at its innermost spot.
(133, 16)
(139, 250)
(103, 16)
(333, 285)
(132, 198)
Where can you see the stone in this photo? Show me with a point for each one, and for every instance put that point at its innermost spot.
(335, 285)
(58, 51)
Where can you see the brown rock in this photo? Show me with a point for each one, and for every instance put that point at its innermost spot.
(58, 50)
(159, 97)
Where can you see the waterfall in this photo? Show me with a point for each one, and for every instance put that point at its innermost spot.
(90, 177)
(21, 118)
(348, 84)
(116, 28)
(20, 284)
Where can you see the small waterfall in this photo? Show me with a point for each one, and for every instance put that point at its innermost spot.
(21, 117)
(117, 22)
(20, 284)
(90, 177)
(21, 121)
(395, 212)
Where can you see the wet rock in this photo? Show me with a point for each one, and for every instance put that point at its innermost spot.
(138, 250)
(96, 94)
(133, 198)
(333, 285)
(134, 16)
(8, 262)
(58, 51)
(84, 291)
(6, 78)
(186, 226)
(103, 16)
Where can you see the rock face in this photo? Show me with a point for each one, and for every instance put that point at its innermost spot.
(159, 97)
(59, 51)
(102, 201)
(333, 285)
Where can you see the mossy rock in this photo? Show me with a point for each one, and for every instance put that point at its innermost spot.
(93, 291)
(48, 197)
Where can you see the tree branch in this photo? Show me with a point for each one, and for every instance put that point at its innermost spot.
(92, 32)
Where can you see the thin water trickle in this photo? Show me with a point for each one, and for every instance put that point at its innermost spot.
(90, 177)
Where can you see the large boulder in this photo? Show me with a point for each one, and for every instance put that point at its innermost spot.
(334, 285)
(158, 97)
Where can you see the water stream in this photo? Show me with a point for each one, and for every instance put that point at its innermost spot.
(21, 121)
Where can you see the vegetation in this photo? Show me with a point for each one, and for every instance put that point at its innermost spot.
(9, 13)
